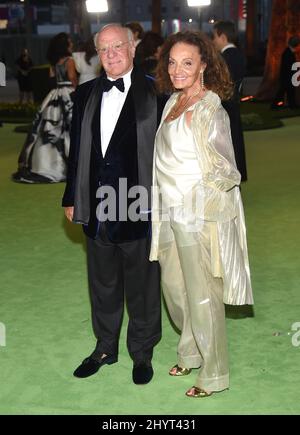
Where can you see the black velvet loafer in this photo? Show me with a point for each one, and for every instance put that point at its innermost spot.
(90, 366)
(142, 373)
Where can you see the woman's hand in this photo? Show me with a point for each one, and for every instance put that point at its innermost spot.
(69, 211)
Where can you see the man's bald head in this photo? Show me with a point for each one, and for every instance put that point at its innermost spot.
(127, 32)
(116, 49)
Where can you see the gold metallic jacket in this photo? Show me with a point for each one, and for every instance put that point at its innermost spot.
(221, 201)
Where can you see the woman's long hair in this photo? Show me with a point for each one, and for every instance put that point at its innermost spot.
(59, 47)
(216, 74)
(90, 50)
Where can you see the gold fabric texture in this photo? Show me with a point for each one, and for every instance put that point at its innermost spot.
(214, 198)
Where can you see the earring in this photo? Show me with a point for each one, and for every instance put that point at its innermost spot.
(202, 80)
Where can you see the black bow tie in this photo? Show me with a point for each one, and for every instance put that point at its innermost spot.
(108, 84)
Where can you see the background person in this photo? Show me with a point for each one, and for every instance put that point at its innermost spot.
(137, 31)
(224, 38)
(148, 51)
(24, 65)
(87, 62)
(138, 34)
(286, 87)
(43, 158)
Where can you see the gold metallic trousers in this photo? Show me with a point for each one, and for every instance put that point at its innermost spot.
(194, 298)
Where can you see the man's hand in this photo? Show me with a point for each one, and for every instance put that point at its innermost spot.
(69, 211)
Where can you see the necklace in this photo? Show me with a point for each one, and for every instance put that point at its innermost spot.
(175, 111)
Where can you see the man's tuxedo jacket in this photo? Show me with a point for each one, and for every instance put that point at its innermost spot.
(128, 156)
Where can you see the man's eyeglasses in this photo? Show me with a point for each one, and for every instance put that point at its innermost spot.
(116, 46)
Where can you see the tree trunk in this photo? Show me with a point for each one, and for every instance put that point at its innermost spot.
(251, 30)
(156, 16)
(293, 17)
(284, 23)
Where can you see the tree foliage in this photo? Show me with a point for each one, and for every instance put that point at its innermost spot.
(284, 24)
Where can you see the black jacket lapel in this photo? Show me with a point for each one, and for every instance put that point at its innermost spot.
(96, 128)
(145, 102)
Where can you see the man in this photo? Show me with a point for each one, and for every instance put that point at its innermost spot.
(137, 30)
(224, 36)
(114, 122)
(138, 35)
(286, 87)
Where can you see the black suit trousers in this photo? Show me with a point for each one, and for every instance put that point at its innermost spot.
(286, 88)
(119, 273)
(233, 109)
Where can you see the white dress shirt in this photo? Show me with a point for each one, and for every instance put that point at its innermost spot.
(111, 106)
(227, 46)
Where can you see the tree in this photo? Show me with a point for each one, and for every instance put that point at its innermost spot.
(156, 16)
(284, 23)
(251, 30)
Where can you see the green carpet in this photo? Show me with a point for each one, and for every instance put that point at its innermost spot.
(45, 308)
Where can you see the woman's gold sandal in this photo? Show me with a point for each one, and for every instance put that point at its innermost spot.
(198, 392)
(179, 371)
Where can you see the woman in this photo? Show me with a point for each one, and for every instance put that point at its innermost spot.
(44, 154)
(148, 51)
(24, 66)
(198, 229)
(87, 62)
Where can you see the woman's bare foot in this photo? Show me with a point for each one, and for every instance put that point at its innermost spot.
(198, 392)
(179, 371)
